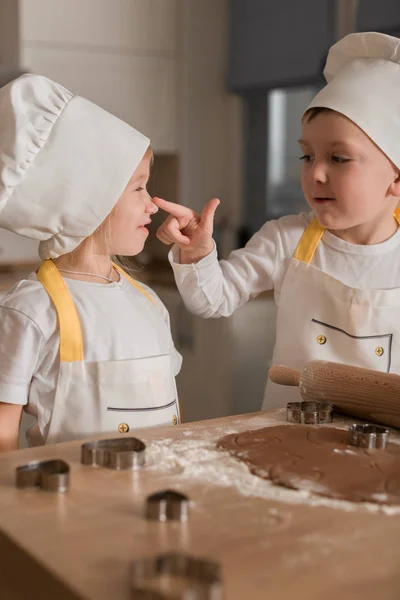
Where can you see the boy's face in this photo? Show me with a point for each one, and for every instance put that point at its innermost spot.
(346, 178)
(132, 213)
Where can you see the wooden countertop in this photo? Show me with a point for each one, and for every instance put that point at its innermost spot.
(79, 544)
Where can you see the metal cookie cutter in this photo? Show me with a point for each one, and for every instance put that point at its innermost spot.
(49, 475)
(119, 454)
(197, 579)
(368, 436)
(310, 413)
(167, 505)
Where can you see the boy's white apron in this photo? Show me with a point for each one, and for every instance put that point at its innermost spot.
(104, 397)
(321, 318)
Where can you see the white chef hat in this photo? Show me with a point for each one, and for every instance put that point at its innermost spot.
(64, 162)
(363, 83)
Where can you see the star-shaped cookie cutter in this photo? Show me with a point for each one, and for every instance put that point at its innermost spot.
(48, 475)
(368, 436)
(119, 454)
(310, 413)
(200, 578)
(167, 505)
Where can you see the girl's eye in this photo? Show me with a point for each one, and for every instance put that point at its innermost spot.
(340, 159)
(139, 189)
(305, 158)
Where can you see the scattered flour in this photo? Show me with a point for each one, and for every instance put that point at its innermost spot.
(198, 458)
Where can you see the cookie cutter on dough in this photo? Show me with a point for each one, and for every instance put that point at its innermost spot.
(310, 413)
(200, 578)
(368, 436)
(167, 505)
(119, 454)
(48, 475)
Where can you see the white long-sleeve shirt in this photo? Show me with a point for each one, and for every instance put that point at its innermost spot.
(213, 289)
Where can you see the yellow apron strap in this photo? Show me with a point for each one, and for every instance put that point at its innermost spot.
(71, 347)
(134, 283)
(309, 241)
(312, 236)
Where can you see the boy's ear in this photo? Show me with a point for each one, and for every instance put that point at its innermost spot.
(394, 189)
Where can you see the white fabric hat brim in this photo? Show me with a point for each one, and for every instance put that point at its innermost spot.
(363, 74)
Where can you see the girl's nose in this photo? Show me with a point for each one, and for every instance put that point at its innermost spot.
(151, 207)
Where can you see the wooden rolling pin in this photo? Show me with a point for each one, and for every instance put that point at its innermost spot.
(362, 393)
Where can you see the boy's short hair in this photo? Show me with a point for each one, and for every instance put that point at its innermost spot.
(311, 113)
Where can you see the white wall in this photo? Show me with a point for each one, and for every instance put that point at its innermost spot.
(209, 124)
(121, 54)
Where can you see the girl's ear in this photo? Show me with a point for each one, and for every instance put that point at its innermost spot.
(394, 189)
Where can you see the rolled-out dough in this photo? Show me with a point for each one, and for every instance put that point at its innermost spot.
(318, 459)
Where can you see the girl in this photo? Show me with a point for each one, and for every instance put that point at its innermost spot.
(336, 271)
(83, 347)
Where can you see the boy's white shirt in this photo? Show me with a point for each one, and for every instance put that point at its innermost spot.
(212, 288)
(118, 323)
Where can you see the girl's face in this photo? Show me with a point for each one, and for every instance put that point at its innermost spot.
(132, 213)
(346, 179)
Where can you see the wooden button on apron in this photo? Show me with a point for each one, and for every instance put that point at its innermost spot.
(379, 350)
(321, 339)
(175, 420)
(123, 427)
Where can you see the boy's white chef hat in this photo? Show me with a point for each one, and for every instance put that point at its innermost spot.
(64, 162)
(363, 83)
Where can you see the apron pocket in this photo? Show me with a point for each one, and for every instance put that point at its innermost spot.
(144, 408)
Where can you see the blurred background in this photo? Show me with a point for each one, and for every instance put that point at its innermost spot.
(219, 86)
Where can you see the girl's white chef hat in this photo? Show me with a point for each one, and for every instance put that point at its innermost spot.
(363, 83)
(64, 162)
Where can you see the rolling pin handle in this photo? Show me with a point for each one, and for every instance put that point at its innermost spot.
(284, 375)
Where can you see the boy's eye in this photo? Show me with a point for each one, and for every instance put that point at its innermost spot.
(340, 159)
(305, 158)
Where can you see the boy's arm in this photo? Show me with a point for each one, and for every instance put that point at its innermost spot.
(210, 288)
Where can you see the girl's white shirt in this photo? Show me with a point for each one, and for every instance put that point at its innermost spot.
(118, 323)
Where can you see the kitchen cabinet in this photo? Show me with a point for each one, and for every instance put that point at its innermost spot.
(278, 44)
(226, 360)
(205, 345)
(138, 89)
(283, 44)
(252, 339)
(381, 16)
(121, 54)
(143, 26)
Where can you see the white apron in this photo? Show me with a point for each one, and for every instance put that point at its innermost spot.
(319, 317)
(104, 397)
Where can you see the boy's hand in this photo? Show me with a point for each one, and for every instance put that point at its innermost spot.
(190, 231)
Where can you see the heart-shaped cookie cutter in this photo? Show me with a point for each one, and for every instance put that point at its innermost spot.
(48, 475)
(119, 454)
(310, 413)
(368, 436)
(201, 578)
